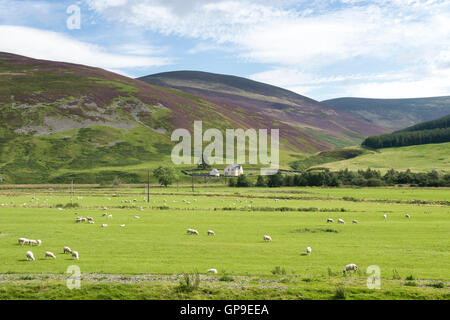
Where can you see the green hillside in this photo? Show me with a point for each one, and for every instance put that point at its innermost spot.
(421, 158)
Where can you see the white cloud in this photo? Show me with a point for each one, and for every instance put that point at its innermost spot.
(400, 41)
(42, 44)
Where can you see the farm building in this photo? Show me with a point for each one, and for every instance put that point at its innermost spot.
(214, 173)
(233, 170)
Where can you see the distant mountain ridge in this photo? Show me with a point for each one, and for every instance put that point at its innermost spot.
(394, 114)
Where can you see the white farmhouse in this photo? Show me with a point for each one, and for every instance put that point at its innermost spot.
(214, 173)
(233, 170)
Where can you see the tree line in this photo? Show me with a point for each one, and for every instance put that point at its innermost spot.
(361, 178)
(436, 131)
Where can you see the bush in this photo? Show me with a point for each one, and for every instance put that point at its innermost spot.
(339, 292)
(438, 285)
(410, 277)
(278, 270)
(71, 205)
(189, 283)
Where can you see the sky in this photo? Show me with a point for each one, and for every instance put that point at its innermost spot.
(322, 49)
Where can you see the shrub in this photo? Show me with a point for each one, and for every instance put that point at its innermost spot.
(395, 275)
(279, 270)
(410, 277)
(189, 283)
(438, 285)
(411, 283)
(339, 292)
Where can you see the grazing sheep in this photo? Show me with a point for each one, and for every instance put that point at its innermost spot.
(122, 225)
(267, 238)
(39, 242)
(90, 218)
(212, 271)
(211, 233)
(67, 250)
(137, 217)
(308, 250)
(192, 231)
(329, 220)
(49, 254)
(341, 221)
(110, 216)
(104, 214)
(78, 220)
(407, 216)
(104, 225)
(105, 208)
(32, 242)
(91, 221)
(22, 241)
(355, 221)
(385, 216)
(349, 267)
(30, 255)
(75, 255)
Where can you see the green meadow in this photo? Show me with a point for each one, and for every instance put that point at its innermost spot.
(147, 256)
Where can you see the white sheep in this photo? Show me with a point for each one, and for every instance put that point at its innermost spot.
(355, 221)
(267, 238)
(39, 242)
(22, 241)
(49, 254)
(110, 216)
(341, 221)
(91, 221)
(349, 267)
(104, 225)
(137, 217)
(67, 250)
(407, 216)
(385, 216)
(122, 225)
(329, 220)
(30, 255)
(212, 271)
(308, 250)
(75, 255)
(211, 233)
(32, 242)
(192, 231)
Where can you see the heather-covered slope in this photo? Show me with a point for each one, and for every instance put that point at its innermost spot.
(60, 121)
(331, 127)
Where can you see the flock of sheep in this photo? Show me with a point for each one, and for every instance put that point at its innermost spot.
(30, 256)
(90, 220)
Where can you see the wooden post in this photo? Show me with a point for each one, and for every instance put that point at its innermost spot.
(192, 182)
(148, 187)
(71, 194)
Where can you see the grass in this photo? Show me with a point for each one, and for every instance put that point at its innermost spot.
(421, 158)
(157, 243)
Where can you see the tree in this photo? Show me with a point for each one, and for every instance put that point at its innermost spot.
(204, 164)
(275, 180)
(242, 181)
(261, 182)
(165, 175)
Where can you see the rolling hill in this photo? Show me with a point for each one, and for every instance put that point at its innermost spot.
(297, 115)
(420, 158)
(62, 121)
(394, 114)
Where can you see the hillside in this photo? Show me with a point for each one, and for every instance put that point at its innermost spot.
(435, 131)
(421, 158)
(297, 115)
(60, 121)
(394, 114)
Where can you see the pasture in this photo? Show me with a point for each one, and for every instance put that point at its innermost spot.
(157, 245)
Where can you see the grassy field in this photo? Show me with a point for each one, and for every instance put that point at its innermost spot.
(415, 158)
(145, 258)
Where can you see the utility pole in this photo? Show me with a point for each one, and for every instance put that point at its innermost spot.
(71, 194)
(192, 175)
(148, 186)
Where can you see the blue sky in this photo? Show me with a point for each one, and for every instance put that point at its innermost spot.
(322, 49)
